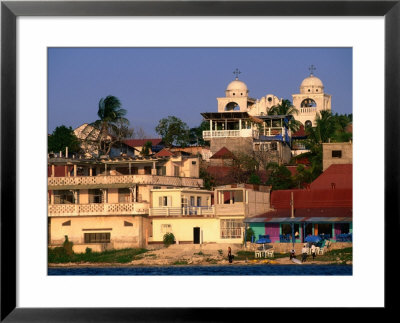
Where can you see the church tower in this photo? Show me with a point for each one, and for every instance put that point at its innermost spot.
(311, 99)
(236, 96)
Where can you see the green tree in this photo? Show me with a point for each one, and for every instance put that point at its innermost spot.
(173, 131)
(196, 133)
(112, 124)
(146, 148)
(302, 177)
(286, 108)
(61, 138)
(279, 177)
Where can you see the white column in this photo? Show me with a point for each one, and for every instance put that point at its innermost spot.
(211, 129)
(52, 170)
(74, 170)
(240, 124)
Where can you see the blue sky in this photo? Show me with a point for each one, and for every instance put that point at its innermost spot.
(153, 83)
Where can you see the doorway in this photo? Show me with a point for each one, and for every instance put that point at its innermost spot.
(196, 235)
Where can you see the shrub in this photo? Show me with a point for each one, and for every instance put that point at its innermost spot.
(168, 239)
(88, 250)
(249, 234)
(67, 245)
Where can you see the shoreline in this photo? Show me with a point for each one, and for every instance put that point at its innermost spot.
(272, 262)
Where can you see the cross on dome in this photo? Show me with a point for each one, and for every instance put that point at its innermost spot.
(312, 68)
(237, 72)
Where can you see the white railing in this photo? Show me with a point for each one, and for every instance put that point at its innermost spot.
(230, 133)
(273, 131)
(240, 209)
(125, 179)
(100, 209)
(308, 110)
(182, 211)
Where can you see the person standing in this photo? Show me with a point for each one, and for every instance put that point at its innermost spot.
(304, 253)
(313, 251)
(230, 257)
(292, 254)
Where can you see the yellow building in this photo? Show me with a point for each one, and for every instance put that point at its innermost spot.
(192, 217)
(104, 203)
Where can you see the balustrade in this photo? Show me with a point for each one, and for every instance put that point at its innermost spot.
(182, 211)
(102, 209)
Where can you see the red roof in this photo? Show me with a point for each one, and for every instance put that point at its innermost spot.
(164, 153)
(141, 142)
(300, 133)
(312, 198)
(223, 153)
(339, 176)
(293, 169)
(342, 212)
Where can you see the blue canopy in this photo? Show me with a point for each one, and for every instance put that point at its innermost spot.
(312, 239)
(263, 239)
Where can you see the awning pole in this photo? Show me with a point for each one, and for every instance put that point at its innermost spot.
(293, 238)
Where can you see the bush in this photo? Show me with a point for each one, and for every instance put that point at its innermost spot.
(249, 234)
(168, 239)
(88, 250)
(67, 245)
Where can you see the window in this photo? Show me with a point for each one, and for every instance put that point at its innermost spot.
(63, 197)
(193, 163)
(192, 201)
(166, 228)
(95, 196)
(184, 202)
(101, 237)
(336, 153)
(164, 201)
(134, 170)
(231, 229)
(308, 123)
(161, 170)
(147, 170)
(128, 224)
(124, 195)
(176, 170)
(67, 223)
(199, 201)
(156, 187)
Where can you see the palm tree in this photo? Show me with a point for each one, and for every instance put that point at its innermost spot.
(111, 123)
(286, 108)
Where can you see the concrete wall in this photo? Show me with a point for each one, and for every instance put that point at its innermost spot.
(121, 236)
(182, 228)
(347, 154)
(233, 144)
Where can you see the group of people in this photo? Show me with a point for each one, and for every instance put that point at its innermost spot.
(304, 253)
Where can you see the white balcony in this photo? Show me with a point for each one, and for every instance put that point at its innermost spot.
(183, 211)
(97, 209)
(230, 133)
(59, 182)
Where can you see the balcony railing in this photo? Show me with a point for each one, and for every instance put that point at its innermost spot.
(97, 209)
(182, 211)
(272, 131)
(240, 209)
(125, 179)
(230, 133)
(308, 110)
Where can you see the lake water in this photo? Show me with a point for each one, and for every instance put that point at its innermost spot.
(253, 270)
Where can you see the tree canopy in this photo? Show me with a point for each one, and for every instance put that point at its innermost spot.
(286, 108)
(174, 131)
(112, 124)
(61, 138)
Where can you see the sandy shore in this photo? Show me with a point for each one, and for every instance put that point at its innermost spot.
(182, 255)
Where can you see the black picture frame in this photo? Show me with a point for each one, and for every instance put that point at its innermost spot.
(10, 10)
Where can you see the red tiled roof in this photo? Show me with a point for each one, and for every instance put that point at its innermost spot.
(141, 142)
(300, 133)
(223, 153)
(312, 198)
(339, 175)
(164, 153)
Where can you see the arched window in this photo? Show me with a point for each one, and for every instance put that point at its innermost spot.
(308, 124)
(308, 103)
(232, 106)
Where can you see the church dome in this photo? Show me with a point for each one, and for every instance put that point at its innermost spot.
(312, 81)
(312, 84)
(237, 85)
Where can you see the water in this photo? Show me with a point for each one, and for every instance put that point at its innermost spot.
(252, 270)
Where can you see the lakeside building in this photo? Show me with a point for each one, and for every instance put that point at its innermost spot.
(103, 203)
(200, 216)
(324, 208)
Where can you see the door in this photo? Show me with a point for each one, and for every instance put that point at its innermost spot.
(196, 235)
